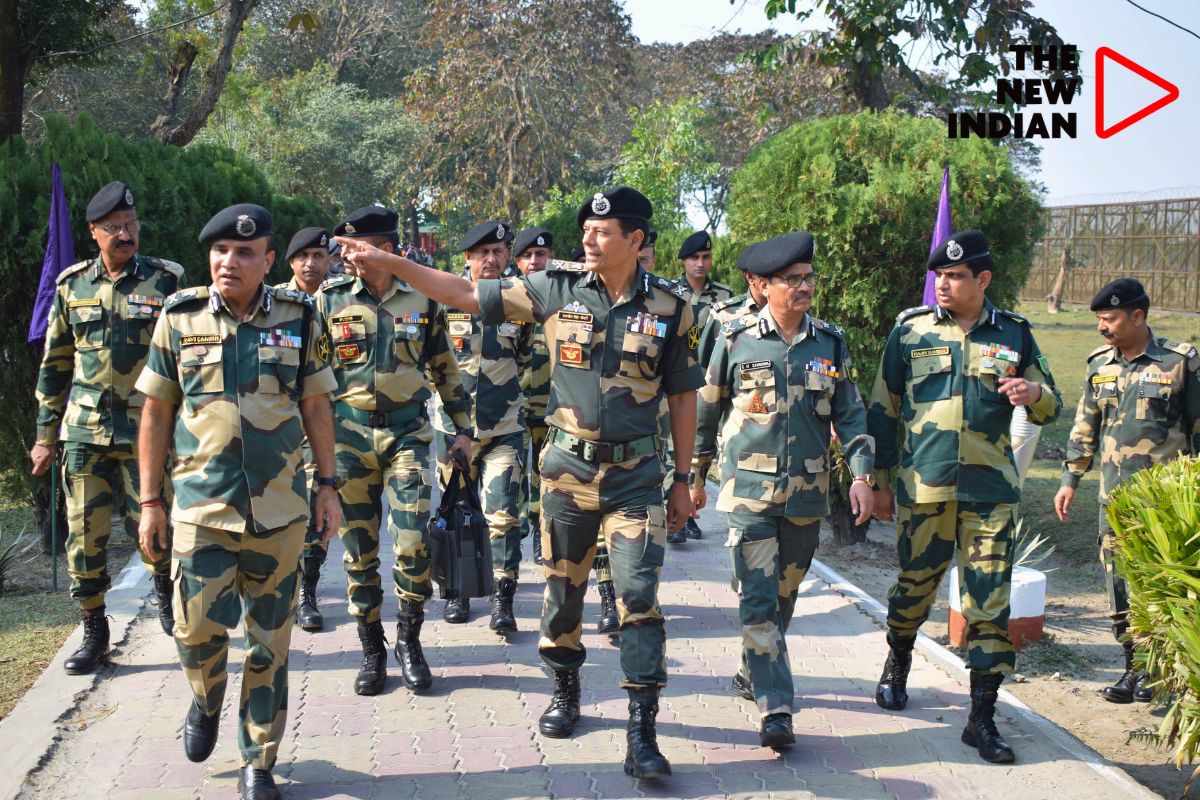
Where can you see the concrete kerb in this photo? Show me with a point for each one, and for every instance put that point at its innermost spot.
(31, 732)
(955, 666)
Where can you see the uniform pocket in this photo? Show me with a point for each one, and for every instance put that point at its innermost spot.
(408, 342)
(81, 410)
(87, 324)
(1153, 401)
(756, 393)
(277, 369)
(757, 477)
(819, 390)
(201, 370)
(931, 378)
(640, 354)
(461, 332)
(654, 549)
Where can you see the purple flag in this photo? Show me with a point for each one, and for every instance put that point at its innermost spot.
(941, 231)
(60, 254)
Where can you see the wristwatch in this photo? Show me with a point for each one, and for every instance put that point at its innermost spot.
(683, 477)
(335, 482)
(869, 480)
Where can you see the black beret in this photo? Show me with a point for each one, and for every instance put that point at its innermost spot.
(306, 238)
(114, 196)
(619, 203)
(369, 221)
(1121, 293)
(963, 247)
(651, 238)
(244, 221)
(532, 237)
(693, 244)
(780, 252)
(485, 233)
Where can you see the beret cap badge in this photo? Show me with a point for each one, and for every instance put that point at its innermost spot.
(541, 240)
(350, 228)
(600, 204)
(324, 239)
(128, 197)
(1116, 301)
(500, 231)
(245, 225)
(953, 249)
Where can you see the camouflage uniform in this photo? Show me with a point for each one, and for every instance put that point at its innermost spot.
(385, 352)
(775, 401)
(611, 363)
(491, 360)
(314, 546)
(957, 479)
(1135, 414)
(96, 345)
(535, 382)
(241, 499)
(703, 301)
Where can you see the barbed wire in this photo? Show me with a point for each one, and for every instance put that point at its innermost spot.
(1101, 198)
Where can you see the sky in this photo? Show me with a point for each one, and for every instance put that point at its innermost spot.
(1156, 157)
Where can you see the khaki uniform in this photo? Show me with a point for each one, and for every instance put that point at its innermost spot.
(241, 496)
(1132, 414)
(958, 486)
(96, 345)
(611, 363)
(385, 353)
(776, 402)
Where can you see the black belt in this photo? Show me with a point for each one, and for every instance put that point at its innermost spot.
(379, 419)
(602, 452)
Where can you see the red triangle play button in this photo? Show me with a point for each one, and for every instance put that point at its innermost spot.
(1172, 92)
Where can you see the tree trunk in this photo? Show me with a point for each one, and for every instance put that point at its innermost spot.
(841, 520)
(214, 80)
(1054, 299)
(177, 75)
(14, 66)
(414, 227)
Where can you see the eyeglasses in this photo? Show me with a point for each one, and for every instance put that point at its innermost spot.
(112, 228)
(794, 281)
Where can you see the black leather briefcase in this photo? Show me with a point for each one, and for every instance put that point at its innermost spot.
(460, 551)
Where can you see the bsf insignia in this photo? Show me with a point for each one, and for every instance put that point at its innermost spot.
(693, 335)
(245, 226)
(323, 347)
(128, 197)
(954, 250)
(500, 231)
(756, 405)
(600, 204)
(349, 351)
(570, 353)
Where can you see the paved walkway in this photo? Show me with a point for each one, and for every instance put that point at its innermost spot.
(474, 735)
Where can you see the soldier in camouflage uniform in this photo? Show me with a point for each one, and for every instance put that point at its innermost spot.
(492, 360)
(953, 373)
(388, 344)
(776, 382)
(696, 255)
(1140, 406)
(96, 344)
(646, 256)
(619, 341)
(234, 368)
(308, 256)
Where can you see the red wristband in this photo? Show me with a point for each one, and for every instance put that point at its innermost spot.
(153, 501)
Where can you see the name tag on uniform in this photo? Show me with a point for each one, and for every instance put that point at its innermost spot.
(575, 316)
(458, 317)
(754, 366)
(347, 318)
(570, 353)
(348, 351)
(926, 352)
(206, 338)
(1099, 379)
(81, 303)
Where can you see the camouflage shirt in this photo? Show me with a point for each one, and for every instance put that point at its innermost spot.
(310, 466)
(776, 401)
(701, 303)
(491, 360)
(536, 380)
(96, 344)
(1135, 413)
(939, 383)
(386, 352)
(722, 312)
(237, 437)
(610, 361)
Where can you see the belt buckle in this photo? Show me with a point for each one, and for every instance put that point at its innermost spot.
(377, 419)
(604, 453)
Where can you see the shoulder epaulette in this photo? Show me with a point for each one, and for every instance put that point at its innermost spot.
(566, 266)
(71, 270)
(909, 313)
(671, 286)
(163, 264)
(334, 281)
(1016, 317)
(828, 327)
(293, 296)
(721, 305)
(184, 296)
(738, 324)
(722, 286)
(1101, 350)
(1183, 348)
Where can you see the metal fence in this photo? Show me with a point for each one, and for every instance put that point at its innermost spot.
(1157, 242)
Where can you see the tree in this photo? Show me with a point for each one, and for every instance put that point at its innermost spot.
(36, 30)
(871, 39)
(519, 97)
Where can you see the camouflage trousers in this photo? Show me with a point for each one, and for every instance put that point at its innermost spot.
(222, 575)
(375, 462)
(314, 546)
(95, 478)
(531, 487)
(621, 504)
(927, 536)
(498, 469)
(1114, 583)
(771, 556)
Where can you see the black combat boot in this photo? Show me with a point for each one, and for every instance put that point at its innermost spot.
(776, 731)
(257, 784)
(308, 615)
(691, 529)
(535, 530)
(373, 671)
(414, 669)
(164, 594)
(95, 644)
(741, 686)
(678, 537)
(199, 733)
(1143, 693)
(503, 620)
(981, 730)
(892, 690)
(1126, 686)
(643, 759)
(559, 718)
(609, 622)
(457, 610)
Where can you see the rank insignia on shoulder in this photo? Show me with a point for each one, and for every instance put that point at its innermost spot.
(184, 295)
(567, 266)
(909, 313)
